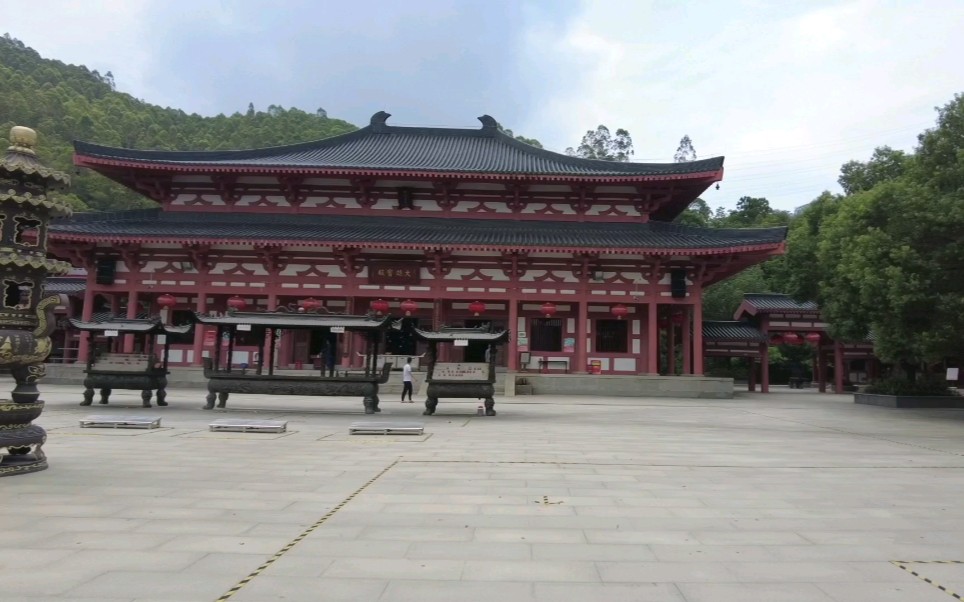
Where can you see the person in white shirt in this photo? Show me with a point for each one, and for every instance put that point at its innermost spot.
(407, 380)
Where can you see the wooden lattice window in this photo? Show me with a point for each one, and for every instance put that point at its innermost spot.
(612, 336)
(546, 334)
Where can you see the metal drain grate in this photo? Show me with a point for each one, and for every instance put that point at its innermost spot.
(121, 422)
(386, 428)
(247, 425)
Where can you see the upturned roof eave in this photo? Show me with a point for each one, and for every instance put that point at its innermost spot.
(697, 251)
(95, 162)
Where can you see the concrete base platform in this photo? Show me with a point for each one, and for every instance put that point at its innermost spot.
(692, 387)
(910, 401)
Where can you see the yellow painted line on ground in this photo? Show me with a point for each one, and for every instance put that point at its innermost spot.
(228, 594)
(905, 565)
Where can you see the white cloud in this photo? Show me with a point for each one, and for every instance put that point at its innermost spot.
(788, 92)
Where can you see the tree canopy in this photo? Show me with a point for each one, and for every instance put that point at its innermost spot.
(685, 152)
(601, 144)
(529, 141)
(66, 102)
(892, 255)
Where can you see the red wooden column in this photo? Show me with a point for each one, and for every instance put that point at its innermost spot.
(582, 316)
(764, 367)
(838, 367)
(131, 314)
(513, 326)
(751, 377)
(200, 306)
(86, 313)
(698, 336)
(350, 337)
(687, 341)
(652, 339)
(443, 350)
(821, 370)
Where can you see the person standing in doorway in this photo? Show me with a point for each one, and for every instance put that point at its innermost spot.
(407, 380)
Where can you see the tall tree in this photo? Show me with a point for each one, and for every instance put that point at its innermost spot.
(685, 152)
(800, 271)
(601, 144)
(893, 255)
(885, 164)
(697, 214)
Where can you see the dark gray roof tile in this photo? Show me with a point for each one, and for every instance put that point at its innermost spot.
(373, 230)
(418, 149)
(777, 301)
(731, 331)
(64, 285)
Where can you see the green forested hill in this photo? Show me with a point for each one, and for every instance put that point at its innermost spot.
(66, 102)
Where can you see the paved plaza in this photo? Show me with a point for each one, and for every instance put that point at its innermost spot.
(788, 497)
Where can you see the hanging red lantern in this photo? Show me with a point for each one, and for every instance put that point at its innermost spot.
(309, 304)
(812, 337)
(408, 307)
(776, 339)
(620, 311)
(166, 301)
(548, 309)
(791, 338)
(663, 322)
(236, 303)
(678, 318)
(380, 306)
(477, 308)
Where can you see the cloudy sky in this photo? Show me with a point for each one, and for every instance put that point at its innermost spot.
(787, 91)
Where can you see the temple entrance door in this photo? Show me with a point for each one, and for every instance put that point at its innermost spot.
(402, 341)
(300, 346)
(475, 352)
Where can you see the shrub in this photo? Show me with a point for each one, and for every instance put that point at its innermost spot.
(925, 385)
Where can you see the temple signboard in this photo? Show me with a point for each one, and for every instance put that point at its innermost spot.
(394, 272)
(459, 371)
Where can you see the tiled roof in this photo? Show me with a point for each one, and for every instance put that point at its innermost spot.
(418, 149)
(284, 319)
(137, 325)
(64, 286)
(467, 334)
(777, 301)
(397, 232)
(106, 316)
(731, 331)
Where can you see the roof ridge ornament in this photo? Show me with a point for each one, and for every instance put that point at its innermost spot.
(378, 122)
(489, 123)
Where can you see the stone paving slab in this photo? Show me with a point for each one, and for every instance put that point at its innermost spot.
(792, 497)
